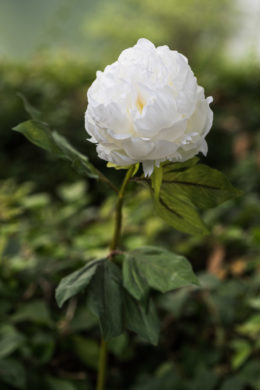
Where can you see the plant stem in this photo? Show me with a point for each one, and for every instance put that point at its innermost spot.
(120, 198)
(102, 366)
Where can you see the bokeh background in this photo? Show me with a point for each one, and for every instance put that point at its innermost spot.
(53, 221)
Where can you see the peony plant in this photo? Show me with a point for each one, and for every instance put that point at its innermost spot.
(146, 108)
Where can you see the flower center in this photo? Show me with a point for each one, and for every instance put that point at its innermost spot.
(140, 103)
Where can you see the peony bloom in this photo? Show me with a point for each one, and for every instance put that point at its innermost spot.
(148, 107)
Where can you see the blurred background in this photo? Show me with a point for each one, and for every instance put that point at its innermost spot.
(53, 221)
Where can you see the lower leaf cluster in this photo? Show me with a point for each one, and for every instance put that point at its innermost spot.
(120, 296)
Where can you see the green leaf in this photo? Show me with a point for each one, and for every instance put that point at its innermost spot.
(36, 311)
(251, 327)
(203, 186)
(185, 187)
(76, 282)
(13, 373)
(242, 350)
(141, 318)
(87, 351)
(156, 178)
(120, 347)
(179, 212)
(43, 346)
(10, 340)
(133, 280)
(58, 384)
(250, 373)
(105, 298)
(179, 166)
(119, 167)
(32, 111)
(40, 134)
(168, 381)
(233, 383)
(158, 268)
(205, 379)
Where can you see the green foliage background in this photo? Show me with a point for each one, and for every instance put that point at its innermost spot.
(53, 222)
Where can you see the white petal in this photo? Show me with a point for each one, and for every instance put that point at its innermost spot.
(148, 167)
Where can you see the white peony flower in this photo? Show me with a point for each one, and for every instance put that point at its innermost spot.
(147, 107)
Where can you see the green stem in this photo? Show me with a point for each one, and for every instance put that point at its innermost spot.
(102, 366)
(120, 198)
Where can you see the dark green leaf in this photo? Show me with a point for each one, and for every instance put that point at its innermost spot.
(36, 311)
(141, 318)
(179, 166)
(159, 268)
(203, 186)
(87, 351)
(32, 111)
(133, 280)
(179, 212)
(242, 351)
(105, 298)
(58, 384)
(204, 379)
(156, 178)
(75, 282)
(43, 346)
(233, 383)
(250, 373)
(12, 373)
(169, 381)
(184, 188)
(10, 340)
(40, 134)
(120, 347)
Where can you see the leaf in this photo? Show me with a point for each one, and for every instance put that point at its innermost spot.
(119, 346)
(179, 166)
(175, 302)
(242, 350)
(58, 384)
(251, 327)
(35, 311)
(119, 167)
(184, 188)
(203, 186)
(32, 111)
(205, 378)
(105, 298)
(233, 383)
(141, 318)
(133, 280)
(158, 268)
(250, 373)
(87, 351)
(157, 177)
(10, 340)
(13, 373)
(76, 282)
(40, 134)
(179, 212)
(42, 347)
(169, 381)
